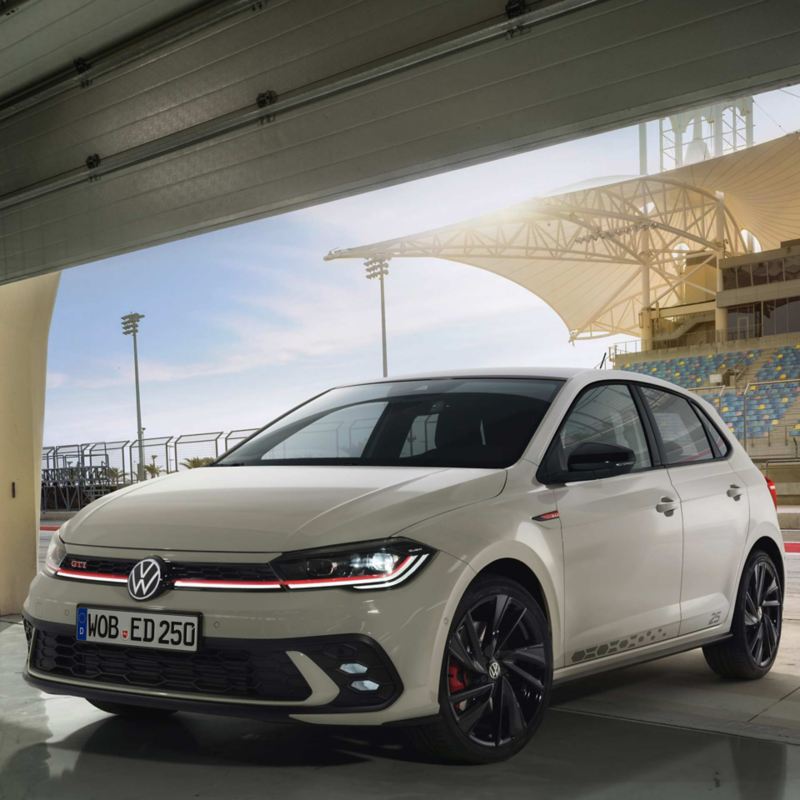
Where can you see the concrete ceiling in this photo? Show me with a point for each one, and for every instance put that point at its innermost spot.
(39, 37)
(151, 143)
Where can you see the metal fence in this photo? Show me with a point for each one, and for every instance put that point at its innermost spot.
(73, 475)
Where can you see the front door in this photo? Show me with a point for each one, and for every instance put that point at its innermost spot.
(622, 536)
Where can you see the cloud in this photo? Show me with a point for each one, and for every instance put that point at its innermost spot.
(55, 380)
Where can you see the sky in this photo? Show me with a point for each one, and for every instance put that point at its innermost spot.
(243, 323)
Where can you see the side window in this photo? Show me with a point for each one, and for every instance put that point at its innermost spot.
(682, 432)
(603, 414)
(718, 440)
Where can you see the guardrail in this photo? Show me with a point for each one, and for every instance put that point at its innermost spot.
(75, 474)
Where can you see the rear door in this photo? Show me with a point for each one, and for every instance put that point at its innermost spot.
(714, 503)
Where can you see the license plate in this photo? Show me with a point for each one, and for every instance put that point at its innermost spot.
(138, 628)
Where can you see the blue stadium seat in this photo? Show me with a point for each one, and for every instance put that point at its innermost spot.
(767, 404)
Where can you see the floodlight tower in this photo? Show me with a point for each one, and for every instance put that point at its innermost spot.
(378, 267)
(130, 327)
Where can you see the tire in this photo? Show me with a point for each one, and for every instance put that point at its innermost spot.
(510, 672)
(756, 629)
(133, 712)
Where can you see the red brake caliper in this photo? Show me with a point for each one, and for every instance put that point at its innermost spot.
(456, 680)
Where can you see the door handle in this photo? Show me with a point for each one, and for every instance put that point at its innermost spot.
(735, 491)
(666, 507)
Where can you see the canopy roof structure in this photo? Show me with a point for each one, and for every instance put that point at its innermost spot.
(599, 255)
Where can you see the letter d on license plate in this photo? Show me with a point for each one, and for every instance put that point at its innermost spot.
(138, 628)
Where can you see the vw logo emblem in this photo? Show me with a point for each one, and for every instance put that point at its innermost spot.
(494, 670)
(145, 579)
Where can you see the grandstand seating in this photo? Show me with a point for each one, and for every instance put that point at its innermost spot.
(768, 405)
(693, 371)
(782, 364)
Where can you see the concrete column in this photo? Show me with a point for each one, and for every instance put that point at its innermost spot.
(720, 314)
(645, 323)
(25, 311)
(643, 148)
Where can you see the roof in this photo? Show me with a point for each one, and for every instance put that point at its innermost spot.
(584, 251)
(585, 374)
(562, 373)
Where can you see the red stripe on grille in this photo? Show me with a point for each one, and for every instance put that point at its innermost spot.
(92, 576)
(189, 582)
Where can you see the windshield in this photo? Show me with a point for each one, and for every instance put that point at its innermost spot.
(447, 422)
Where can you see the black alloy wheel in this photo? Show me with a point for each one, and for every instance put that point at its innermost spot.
(497, 674)
(752, 647)
(762, 612)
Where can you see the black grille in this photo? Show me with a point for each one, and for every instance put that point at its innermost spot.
(176, 570)
(258, 674)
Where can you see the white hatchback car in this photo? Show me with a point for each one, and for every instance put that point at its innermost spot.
(433, 551)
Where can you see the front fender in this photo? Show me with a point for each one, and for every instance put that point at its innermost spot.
(483, 534)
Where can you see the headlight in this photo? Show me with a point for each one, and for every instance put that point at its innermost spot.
(371, 565)
(56, 553)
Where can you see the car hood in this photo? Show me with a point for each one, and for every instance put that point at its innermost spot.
(275, 508)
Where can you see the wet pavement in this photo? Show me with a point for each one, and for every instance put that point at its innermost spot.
(668, 729)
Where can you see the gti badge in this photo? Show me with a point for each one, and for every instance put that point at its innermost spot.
(146, 578)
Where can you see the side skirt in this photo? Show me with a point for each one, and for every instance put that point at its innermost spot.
(629, 659)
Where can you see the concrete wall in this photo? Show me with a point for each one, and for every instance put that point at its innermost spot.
(25, 311)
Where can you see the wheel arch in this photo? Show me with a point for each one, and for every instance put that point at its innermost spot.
(770, 547)
(518, 571)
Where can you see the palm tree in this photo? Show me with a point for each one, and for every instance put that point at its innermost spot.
(113, 474)
(197, 461)
(152, 469)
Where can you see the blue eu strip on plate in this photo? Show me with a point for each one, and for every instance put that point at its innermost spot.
(80, 633)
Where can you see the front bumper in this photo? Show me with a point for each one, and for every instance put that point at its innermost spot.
(302, 637)
(279, 675)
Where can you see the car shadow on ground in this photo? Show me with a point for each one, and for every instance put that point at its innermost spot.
(196, 756)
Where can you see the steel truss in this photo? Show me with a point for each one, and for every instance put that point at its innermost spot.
(658, 231)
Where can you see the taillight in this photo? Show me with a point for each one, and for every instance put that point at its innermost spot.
(772, 490)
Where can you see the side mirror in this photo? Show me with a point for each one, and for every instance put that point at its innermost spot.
(599, 460)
